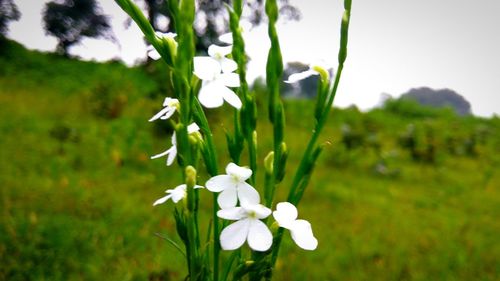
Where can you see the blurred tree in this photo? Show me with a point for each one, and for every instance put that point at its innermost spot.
(439, 98)
(210, 22)
(8, 12)
(71, 20)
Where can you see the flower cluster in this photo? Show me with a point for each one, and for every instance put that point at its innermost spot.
(248, 227)
(238, 200)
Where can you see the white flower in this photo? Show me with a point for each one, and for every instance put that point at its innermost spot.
(170, 106)
(301, 231)
(219, 54)
(247, 228)
(152, 52)
(172, 151)
(217, 74)
(175, 194)
(318, 68)
(233, 187)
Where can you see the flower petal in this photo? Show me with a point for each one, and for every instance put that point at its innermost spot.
(218, 52)
(259, 236)
(219, 183)
(228, 65)
(153, 53)
(162, 154)
(210, 94)
(234, 235)
(231, 97)
(285, 214)
(229, 79)
(171, 155)
(170, 102)
(259, 211)
(178, 193)
(226, 38)
(167, 111)
(162, 200)
(192, 128)
(248, 195)
(303, 236)
(300, 76)
(227, 198)
(206, 68)
(242, 173)
(170, 35)
(234, 213)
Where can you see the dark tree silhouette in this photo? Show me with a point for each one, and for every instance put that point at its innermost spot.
(71, 20)
(209, 24)
(8, 12)
(439, 98)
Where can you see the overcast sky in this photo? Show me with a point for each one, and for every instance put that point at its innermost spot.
(394, 45)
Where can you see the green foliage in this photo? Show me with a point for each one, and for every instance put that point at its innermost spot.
(77, 189)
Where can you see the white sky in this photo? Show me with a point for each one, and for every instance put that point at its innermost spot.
(394, 45)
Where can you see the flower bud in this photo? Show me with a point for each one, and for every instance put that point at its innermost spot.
(323, 73)
(190, 176)
(282, 164)
(269, 162)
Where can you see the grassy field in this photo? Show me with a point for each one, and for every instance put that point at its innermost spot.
(401, 193)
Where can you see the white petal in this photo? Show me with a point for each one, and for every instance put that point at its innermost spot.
(228, 65)
(226, 38)
(259, 211)
(234, 213)
(170, 102)
(285, 214)
(219, 183)
(167, 111)
(162, 200)
(242, 173)
(210, 94)
(259, 236)
(303, 236)
(170, 35)
(206, 68)
(198, 186)
(153, 54)
(171, 155)
(218, 52)
(248, 195)
(234, 235)
(229, 79)
(162, 154)
(178, 193)
(227, 198)
(231, 97)
(192, 128)
(301, 75)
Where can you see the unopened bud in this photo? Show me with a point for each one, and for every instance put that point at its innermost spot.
(323, 73)
(269, 162)
(190, 176)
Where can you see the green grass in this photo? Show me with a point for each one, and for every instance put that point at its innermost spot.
(77, 184)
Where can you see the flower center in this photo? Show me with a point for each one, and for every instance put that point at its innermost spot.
(252, 214)
(235, 178)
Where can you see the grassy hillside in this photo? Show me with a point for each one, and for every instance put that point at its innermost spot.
(401, 193)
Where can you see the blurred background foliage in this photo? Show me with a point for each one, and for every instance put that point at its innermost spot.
(402, 192)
